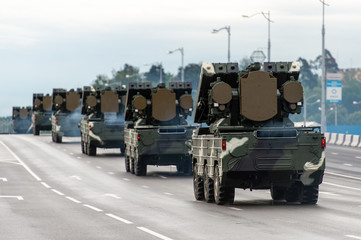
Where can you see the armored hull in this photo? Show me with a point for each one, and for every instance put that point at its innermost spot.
(157, 145)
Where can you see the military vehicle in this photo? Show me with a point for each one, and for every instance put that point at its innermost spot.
(158, 130)
(250, 142)
(22, 119)
(103, 124)
(42, 110)
(66, 116)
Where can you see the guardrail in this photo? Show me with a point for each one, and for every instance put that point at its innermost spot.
(343, 139)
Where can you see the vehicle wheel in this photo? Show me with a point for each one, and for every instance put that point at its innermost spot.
(122, 150)
(208, 186)
(82, 145)
(140, 167)
(187, 167)
(52, 136)
(222, 194)
(127, 163)
(310, 195)
(131, 165)
(294, 193)
(36, 131)
(58, 138)
(197, 184)
(278, 193)
(91, 149)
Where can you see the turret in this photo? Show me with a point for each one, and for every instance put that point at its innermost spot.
(66, 101)
(159, 105)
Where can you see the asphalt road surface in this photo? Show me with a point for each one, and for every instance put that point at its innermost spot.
(53, 191)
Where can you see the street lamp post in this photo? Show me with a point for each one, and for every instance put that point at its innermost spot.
(181, 50)
(323, 101)
(305, 109)
(267, 16)
(228, 29)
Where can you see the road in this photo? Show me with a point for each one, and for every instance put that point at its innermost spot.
(52, 191)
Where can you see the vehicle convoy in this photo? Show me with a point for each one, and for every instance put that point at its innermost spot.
(250, 142)
(159, 130)
(22, 119)
(66, 116)
(42, 110)
(103, 125)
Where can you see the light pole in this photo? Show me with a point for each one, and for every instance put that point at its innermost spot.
(323, 80)
(228, 29)
(181, 50)
(305, 109)
(267, 16)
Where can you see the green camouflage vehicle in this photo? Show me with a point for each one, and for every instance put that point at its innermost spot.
(22, 119)
(159, 130)
(42, 110)
(103, 124)
(66, 116)
(251, 142)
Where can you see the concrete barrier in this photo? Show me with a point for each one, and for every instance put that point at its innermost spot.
(355, 140)
(348, 138)
(333, 138)
(340, 139)
(327, 136)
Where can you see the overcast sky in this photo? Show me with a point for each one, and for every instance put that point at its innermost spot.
(46, 44)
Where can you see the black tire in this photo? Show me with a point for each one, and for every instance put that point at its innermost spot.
(58, 138)
(52, 136)
(208, 186)
(310, 195)
(294, 193)
(131, 165)
(122, 150)
(140, 166)
(278, 193)
(36, 131)
(198, 187)
(91, 149)
(127, 163)
(222, 194)
(82, 145)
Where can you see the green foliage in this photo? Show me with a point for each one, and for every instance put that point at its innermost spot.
(100, 81)
(125, 75)
(154, 74)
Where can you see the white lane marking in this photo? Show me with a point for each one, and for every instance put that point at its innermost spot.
(20, 198)
(4, 179)
(158, 235)
(111, 173)
(45, 185)
(79, 157)
(329, 193)
(353, 236)
(119, 218)
(75, 177)
(73, 200)
(167, 193)
(112, 195)
(358, 157)
(145, 186)
(162, 177)
(57, 192)
(347, 165)
(125, 179)
(10, 161)
(341, 175)
(333, 153)
(341, 186)
(20, 161)
(99, 167)
(71, 153)
(93, 208)
(234, 208)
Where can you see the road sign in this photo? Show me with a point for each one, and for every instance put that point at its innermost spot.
(334, 91)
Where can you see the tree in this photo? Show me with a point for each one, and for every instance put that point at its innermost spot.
(154, 74)
(125, 75)
(307, 77)
(100, 81)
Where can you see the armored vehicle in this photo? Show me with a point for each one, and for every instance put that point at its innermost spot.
(250, 142)
(103, 124)
(66, 116)
(158, 130)
(22, 119)
(42, 110)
